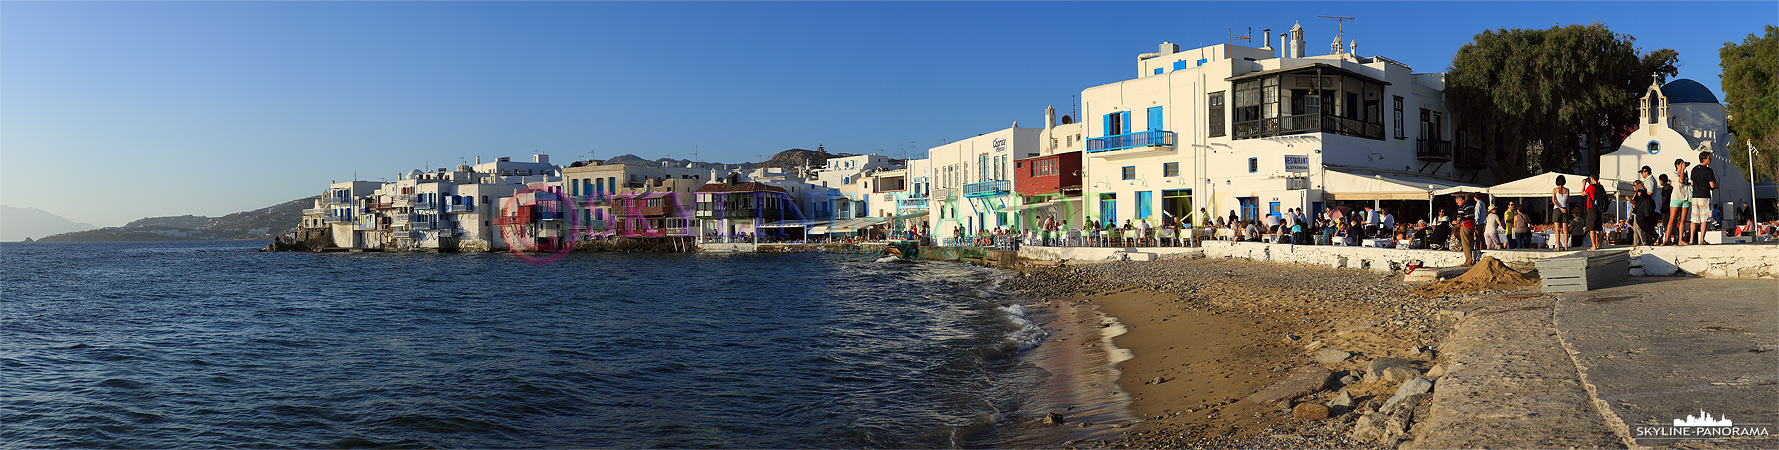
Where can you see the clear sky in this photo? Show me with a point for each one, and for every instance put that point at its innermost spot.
(113, 111)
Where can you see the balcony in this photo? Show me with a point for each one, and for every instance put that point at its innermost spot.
(425, 226)
(997, 187)
(549, 215)
(462, 208)
(1142, 140)
(511, 220)
(425, 205)
(598, 224)
(381, 205)
(337, 199)
(361, 226)
(907, 203)
(654, 210)
(337, 219)
(1432, 150)
(314, 211)
(1304, 123)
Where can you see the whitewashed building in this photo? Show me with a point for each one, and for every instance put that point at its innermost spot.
(1677, 121)
(1257, 130)
(972, 181)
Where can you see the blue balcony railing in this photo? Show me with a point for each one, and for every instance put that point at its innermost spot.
(460, 208)
(1133, 140)
(988, 188)
(549, 215)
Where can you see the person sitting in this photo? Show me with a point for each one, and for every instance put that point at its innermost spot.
(1253, 232)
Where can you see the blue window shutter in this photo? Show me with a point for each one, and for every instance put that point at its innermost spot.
(1158, 71)
(1203, 61)
(1126, 116)
(1179, 65)
(1108, 122)
(1155, 118)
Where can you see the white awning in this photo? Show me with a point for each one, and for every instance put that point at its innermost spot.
(852, 225)
(1344, 185)
(793, 223)
(1541, 185)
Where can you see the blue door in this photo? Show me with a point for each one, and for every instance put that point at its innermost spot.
(1109, 208)
(1155, 118)
(1143, 204)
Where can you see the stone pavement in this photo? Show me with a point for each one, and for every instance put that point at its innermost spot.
(1611, 368)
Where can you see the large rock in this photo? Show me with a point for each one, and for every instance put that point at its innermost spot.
(1310, 411)
(1303, 381)
(1407, 395)
(1343, 401)
(1391, 370)
(1331, 356)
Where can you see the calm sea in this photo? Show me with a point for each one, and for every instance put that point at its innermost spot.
(212, 344)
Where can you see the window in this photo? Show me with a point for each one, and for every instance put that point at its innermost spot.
(1158, 71)
(1655, 147)
(1130, 172)
(1179, 65)
(1253, 165)
(1215, 115)
(1144, 199)
(1202, 61)
(1109, 208)
(1170, 169)
(1398, 120)
(1178, 204)
(1155, 118)
(1250, 207)
(1426, 121)
(1118, 123)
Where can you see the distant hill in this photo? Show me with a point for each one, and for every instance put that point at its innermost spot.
(263, 223)
(795, 157)
(16, 224)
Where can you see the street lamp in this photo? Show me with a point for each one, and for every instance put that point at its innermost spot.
(1753, 201)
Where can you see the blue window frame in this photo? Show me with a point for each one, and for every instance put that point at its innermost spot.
(1144, 198)
(1253, 165)
(1203, 61)
(1130, 172)
(1179, 65)
(1250, 207)
(1274, 209)
(1155, 118)
(1109, 208)
(1158, 71)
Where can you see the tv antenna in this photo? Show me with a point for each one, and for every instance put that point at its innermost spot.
(1340, 25)
(1248, 40)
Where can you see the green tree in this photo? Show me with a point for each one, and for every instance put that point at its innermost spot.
(1548, 100)
(1751, 99)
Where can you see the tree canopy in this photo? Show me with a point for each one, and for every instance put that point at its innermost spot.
(1751, 99)
(1551, 99)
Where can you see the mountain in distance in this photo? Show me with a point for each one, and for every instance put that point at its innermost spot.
(17, 224)
(263, 223)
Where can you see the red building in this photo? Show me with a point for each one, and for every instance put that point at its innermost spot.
(1050, 174)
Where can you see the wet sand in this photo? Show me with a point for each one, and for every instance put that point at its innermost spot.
(1203, 334)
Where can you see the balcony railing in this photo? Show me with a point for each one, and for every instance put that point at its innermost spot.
(1432, 150)
(1305, 123)
(991, 187)
(598, 224)
(511, 220)
(549, 215)
(911, 203)
(1139, 139)
(381, 205)
(337, 199)
(425, 205)
(337, 219)
(425, 226)
(460, 208)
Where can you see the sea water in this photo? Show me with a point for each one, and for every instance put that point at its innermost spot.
(213, 344)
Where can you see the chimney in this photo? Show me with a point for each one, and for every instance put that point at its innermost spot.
(1049, 117)
(1265, 39)
(1297, 40)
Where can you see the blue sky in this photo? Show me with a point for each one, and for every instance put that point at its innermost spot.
(112, 111)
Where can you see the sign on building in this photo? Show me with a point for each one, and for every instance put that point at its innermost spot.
(1297, 163)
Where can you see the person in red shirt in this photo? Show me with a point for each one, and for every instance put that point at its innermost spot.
(1595, 206)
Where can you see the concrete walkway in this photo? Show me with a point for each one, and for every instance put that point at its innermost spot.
(1607, 368)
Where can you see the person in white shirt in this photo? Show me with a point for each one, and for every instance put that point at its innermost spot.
(1389, 220)
(1492, 229)
(1371, 222)
(1272, 223)
(1142, 231)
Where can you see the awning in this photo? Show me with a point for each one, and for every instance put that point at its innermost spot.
(1345, 185)
(909, 215)
(1038, 205)
(851, 225)
(1541, 185)
(793, 223)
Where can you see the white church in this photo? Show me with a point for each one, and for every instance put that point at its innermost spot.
(1677, 121)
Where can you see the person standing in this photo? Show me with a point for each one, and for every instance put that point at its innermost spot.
(1559, 198)
(1595, 197)
(1522, 227)
(1704, 182)
(1492, 229)
(1678, 204)
(1466, 229)
(1642, 209)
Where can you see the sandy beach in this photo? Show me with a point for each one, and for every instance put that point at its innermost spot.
(1202, 335)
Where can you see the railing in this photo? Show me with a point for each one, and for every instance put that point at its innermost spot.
(911, 203)
(1432, 150)
(337, 199)
(653, 210)
(425, 205)
(425, 226)
(549, 215)
(1305, 123)
(511, 220)
(738, 213)
(678, 231)
(361, 226)
(460, 208)
(598, 224)
(381, 205)
(337, 219)
(987, 188)
(1126, 141)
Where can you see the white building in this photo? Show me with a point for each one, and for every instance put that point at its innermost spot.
(972, 181)
(1677, 121)
(1258, 130)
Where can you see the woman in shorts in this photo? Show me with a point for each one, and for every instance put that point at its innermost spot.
(1678, 204)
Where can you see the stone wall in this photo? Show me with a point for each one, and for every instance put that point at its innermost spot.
(1710, 261)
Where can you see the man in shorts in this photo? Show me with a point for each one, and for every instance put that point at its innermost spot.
(1704, 181)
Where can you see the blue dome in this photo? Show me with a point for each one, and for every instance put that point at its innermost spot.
(1687, 91)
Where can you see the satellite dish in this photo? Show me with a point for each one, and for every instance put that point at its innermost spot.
(1067, 120)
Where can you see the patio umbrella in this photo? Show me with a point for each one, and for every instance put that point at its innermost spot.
(1339, 212)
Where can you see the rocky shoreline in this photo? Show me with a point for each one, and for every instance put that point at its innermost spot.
(1233, 353)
